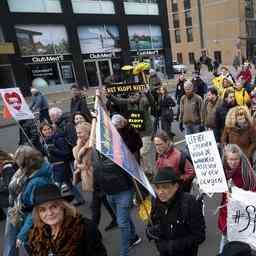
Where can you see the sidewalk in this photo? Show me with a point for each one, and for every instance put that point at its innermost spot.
(62, 100)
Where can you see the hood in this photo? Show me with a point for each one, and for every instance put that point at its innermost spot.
(44, 171)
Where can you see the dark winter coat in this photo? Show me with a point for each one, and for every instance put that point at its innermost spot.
(111, 178)
(221, 114)
(78, 237)
(166, 105)
(179, 90)
(199, 86)
(181, 222)
(79, 104)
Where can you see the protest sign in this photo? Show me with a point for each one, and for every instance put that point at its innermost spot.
(241, 220)
(121, 88)
(136, 120)
(16, 104)
(206, 159)
(110, 144)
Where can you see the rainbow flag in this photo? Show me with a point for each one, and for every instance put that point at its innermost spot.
(110, 144)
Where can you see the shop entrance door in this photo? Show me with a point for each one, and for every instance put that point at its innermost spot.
(97, 71)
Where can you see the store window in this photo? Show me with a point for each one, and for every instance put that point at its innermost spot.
(49, 6)
(188, 18)
(1, 35)
(174, 5)
(187, 4)
(93, 6)
(99, 39)
(42, 39)
(191, 58)
(141, 7)
(177, 36)
(179, 58)
(189, 32)
(6, 76)
(176, 20)
(145, 37)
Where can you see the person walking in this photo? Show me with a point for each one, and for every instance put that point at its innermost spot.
(190, 110)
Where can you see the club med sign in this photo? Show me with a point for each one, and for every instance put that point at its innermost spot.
(48, 59)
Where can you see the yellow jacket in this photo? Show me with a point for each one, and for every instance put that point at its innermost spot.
(242, 97)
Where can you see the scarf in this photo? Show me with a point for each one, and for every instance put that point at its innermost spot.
(71, 234)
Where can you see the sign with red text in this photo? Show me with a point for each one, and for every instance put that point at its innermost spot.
(207, 162)
(16, 104)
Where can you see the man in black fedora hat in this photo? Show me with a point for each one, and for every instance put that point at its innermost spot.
(178, 225)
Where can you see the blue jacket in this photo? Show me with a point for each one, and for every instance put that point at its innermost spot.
(39, 102)
(40, 178)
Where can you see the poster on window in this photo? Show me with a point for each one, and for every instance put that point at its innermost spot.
(42, 40)
(145, 37)
(16, 104)
(99, 39)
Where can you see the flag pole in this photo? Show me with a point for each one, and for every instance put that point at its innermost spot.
(94, 120)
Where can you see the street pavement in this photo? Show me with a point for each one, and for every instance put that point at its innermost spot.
(8, 142)
(8, 139)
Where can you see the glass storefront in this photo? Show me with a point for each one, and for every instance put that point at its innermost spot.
(37, 6)
(145, 37)
(6, 76)
(141, 7)
(93, 6)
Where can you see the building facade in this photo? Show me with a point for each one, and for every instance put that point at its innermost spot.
(222, 28)
(81, 41)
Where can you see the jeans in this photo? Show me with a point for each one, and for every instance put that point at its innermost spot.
(191, 128)
(223, 242)
(121, 204)
(10, 239)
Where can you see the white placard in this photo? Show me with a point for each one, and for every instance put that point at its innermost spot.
(241, 222)
(16, 104)
(207, 162)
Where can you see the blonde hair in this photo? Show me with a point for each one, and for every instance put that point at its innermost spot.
(69, 210)
(28, 159)
(231, 117)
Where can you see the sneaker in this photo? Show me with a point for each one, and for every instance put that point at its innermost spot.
(134, 241)
(111, 225)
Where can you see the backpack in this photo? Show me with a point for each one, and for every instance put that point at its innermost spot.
(184, 156)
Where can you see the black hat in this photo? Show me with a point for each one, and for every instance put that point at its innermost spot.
(236, 248)
(48, 193)
(166, 175)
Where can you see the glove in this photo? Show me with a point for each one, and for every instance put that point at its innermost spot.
(164, 247)
(153, 232)
(202, 129)
(181, 127)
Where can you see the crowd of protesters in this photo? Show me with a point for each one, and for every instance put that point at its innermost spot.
(41, 189)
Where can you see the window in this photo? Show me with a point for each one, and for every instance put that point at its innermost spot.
(249, 9)
(1, 35)
(217, 56)
(191, 57)
(187, 4)
(179, 58)
(93, 6)
(51, 6)
(145, 37)
(175, 5)
(141, 7)
(188, 19)
(251, 28)
(6, 76)
(99, 39)
(177, 36)
(189, 34)
(42, 39)
(176, 20)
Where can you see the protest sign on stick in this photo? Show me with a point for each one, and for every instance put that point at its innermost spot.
(206, 159)
(241, 221)
(16, 104)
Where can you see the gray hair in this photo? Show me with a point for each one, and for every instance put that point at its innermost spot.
(233, 148)
(188, 84)
(55, 111)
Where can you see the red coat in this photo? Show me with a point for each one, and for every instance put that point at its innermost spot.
(246, 75)
(238, 182)
(172, 159)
